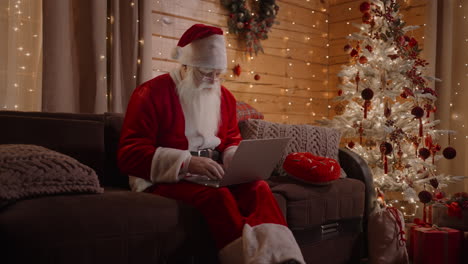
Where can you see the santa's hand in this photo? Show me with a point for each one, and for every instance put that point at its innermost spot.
(205, 166)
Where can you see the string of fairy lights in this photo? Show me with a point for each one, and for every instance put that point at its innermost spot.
(21, 64)
(291, 83)
(19, 11)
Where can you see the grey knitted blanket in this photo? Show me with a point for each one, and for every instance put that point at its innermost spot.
(30, 170)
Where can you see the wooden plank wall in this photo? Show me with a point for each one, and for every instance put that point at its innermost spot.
(343, 13)
(293, 87)
(301, 59)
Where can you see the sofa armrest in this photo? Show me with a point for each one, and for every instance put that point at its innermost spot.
(357, 168)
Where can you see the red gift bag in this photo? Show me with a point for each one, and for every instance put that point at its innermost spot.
(437, 245)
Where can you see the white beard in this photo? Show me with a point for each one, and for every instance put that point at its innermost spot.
(201, 106)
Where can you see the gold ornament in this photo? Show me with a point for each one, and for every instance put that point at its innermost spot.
(340, 108)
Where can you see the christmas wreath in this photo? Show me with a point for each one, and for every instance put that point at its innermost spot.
(251, 25)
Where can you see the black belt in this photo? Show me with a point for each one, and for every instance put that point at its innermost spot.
(208, 153)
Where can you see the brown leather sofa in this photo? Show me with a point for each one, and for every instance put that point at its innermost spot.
(120, 226)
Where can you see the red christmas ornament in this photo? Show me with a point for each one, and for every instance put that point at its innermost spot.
(434, 149)
(354, 53)
(257, 77)
(429, 109)
(413, 42)
(403, 95)
(237, 70)
(366, 18)
(418, 113)
(408, 92)
(340, 92)
(385, 148)
(401, 41)
(347, 48)
(364, 7)
(361, 131)
(369, 48)
(439, 195)
(434, 182)
(363, 60)
(431, 91)
(425, 196)
(351, 144)
(367, 95)
(424, 153)
(428, 141)
(387, 110)
(449, 153)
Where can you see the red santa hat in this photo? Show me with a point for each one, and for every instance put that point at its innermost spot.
(202, 46)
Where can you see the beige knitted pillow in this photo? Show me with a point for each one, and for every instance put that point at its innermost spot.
(320, 141)
(29, 170)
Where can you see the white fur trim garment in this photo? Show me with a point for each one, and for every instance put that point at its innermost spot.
(262, 244)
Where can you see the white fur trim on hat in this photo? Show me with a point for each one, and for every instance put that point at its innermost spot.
(209, 52)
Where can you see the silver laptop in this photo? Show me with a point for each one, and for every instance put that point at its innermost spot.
(254, 159)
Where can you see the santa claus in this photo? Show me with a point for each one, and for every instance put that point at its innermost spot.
(184, 123)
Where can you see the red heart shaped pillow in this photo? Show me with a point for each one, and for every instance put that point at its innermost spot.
(307, 167)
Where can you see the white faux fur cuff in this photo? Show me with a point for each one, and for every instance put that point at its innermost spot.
(167, 163)
(269, 243)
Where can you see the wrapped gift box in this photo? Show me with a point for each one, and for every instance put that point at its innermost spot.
(410, 230)
(433, 245)
(440, 217)
(465, 248)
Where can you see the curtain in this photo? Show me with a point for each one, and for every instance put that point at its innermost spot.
(94, 53)
(451, 60)
(20, 55)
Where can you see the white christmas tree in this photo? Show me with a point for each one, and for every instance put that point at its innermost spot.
(384, 104)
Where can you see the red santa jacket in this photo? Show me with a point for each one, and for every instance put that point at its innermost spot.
(155, 119)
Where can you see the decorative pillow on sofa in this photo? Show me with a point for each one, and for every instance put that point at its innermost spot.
(246, 111)
(320, 141)
(30, 170)
(309, 168)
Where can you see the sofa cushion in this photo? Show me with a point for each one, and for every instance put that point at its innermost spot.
(118, 226)
(310, 206)
(29, 170)
(81, 138)
(246, 111)
(320, 141)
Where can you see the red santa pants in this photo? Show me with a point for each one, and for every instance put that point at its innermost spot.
(227, 209)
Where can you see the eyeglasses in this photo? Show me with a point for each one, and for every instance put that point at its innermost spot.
(210, 75)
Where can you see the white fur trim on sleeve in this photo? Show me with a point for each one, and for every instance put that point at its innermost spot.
(138, 184)
(269, 243)
(167, 163)
(227, 156)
